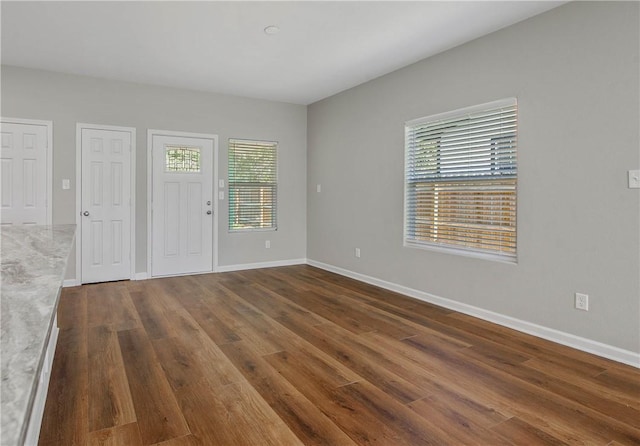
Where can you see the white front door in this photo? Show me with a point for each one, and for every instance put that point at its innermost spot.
(182, 205)
(105, 205)
(24, 174)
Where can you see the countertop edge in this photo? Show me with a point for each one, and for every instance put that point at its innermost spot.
(34, 262)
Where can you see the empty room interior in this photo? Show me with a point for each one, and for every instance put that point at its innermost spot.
(320, 223)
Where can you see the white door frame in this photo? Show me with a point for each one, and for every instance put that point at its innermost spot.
(79, 127)
(49, 181)
(150, 134)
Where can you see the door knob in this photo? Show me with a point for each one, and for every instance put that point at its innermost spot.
(208, 212)
(85, 213)
(208, 203)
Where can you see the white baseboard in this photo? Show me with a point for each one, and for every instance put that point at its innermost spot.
(141, 276)
(75, 282)
(70, 282)
(221, 269)
(243, 266)
(560, 337)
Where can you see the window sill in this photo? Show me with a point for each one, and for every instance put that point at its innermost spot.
(464, 252)
(234, 231)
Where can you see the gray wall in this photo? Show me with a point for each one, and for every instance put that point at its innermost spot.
(575, 73)
(67, 99)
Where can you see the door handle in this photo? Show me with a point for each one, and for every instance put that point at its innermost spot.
(209, 203)
(85, 213)
(208, 212)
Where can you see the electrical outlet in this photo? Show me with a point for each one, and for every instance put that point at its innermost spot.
(582, 301)
(267, 244)
(358, 252)
(634, 179)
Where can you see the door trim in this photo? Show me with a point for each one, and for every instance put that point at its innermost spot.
(150, 134)
(79, 127)
(49, 182)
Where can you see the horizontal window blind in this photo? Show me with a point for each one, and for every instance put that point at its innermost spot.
(253, 185)
(461, 178)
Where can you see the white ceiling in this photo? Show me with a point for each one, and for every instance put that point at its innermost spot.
(322, 47)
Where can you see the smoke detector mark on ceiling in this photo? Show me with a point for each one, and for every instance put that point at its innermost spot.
(271, 30)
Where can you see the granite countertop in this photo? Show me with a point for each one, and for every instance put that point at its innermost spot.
(34, 261)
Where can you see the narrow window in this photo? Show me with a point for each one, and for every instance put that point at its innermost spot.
(461, 178)
(253, 185)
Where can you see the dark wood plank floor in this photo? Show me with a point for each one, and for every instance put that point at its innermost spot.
(297, 355)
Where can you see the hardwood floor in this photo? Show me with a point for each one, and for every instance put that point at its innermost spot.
(297, 355)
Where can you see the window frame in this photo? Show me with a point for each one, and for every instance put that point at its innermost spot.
(273, 186)
(410, 126)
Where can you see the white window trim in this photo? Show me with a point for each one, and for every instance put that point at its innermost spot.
(460, 112)
(245, 230)
(464, 252)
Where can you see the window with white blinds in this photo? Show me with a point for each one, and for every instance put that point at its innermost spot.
(461, 178)
(253, 185)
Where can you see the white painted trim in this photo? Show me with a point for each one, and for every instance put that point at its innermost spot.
(507, 260)
(198, 273)
(464, 111)
(78, 209)
(216, 204)
(149, 197)
(150, 134)
(275, 263)
(49, 180)
(70, 283)
(141, 276)
(156, 132)
(79, 127)
(560, 337)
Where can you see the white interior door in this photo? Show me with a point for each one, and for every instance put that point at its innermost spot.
(24, 174)
(105, 205)
(182, 205)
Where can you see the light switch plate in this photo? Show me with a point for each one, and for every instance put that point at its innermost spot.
(221, 195)
(318, 188)
(634, 179)
(220, 183)
(66, 184)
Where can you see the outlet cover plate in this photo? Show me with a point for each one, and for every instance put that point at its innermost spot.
(582, 301)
